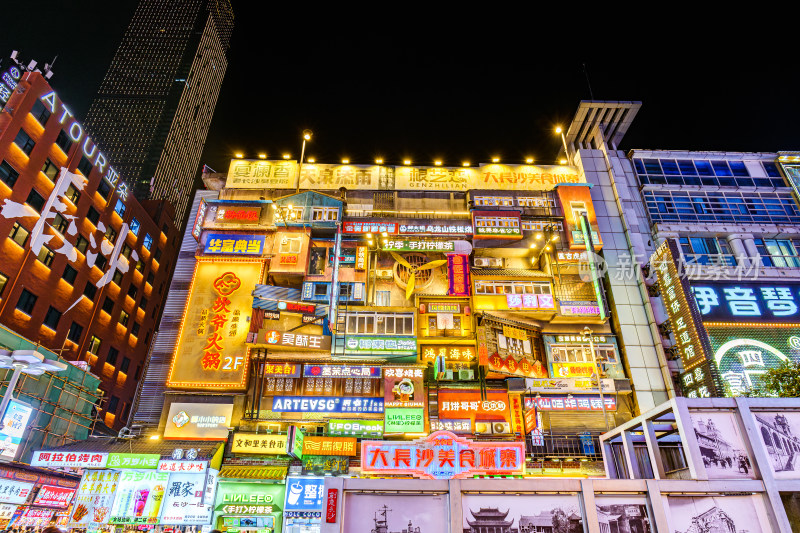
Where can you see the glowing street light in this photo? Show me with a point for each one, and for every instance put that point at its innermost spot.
(560, 131)
(24, 362)
(262, 155)
(306, 137)
(239, 155)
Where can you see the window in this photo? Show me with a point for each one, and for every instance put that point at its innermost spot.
(75, 332)
(143, 302)
(317, 259)
(73, 194)
(533, 201)
(24, 141)
(8, 174)
(52, 317)
(324, 214)
(778, 252)
(60, 223)
(81, 244)
(135, 329)
(94, 345)
(134, 226)
(35, 200)
(139, 266)
(383, 298)
(165, 229)
(157, 255)
(148, 241)
(138, 372)
(69, 274)
(578, 353)
(90, 290)
(289, 245)
(108, 305)
(150, 278)
(511, 287)
(112, 356)
(117, 277)
(707, 251)
(46, 256)
(126, 364)
(40, 112)
(132, 291)
(111, 234)
(494, 201)
(101, 262)
(93, 215)
(50, 170)
(321, 290)
(63, 141)
(126, 251)
(3, 281)
(113, 404)
(19, 234)
(26, 302)
(123, 318)
(381, 323)
(85, 166)
(104, 189)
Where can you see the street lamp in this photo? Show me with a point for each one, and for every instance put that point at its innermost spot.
(559, 130)
(587, 333)
(24, 362)
(306, 137)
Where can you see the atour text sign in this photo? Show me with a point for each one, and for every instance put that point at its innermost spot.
(211, 351)
(442, 455)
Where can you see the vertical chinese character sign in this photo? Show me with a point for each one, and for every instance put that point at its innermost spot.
(458, 275)
(211, 351)
(691, 338)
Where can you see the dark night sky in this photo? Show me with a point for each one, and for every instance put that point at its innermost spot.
(412, 82)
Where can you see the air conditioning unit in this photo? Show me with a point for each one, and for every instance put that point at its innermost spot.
(481, 261)
(501, 428)
(466, 374)
(447, 375)
(483, 428)
(496, 262)
(384, 273)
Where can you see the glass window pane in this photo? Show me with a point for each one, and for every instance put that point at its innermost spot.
(670, 166)
(687, 168)
(738, 168)
(703, 168)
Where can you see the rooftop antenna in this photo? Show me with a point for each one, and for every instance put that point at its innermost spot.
(586, 73)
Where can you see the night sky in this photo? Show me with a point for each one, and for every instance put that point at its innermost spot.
(396, 81)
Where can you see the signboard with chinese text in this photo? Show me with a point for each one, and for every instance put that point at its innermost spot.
(239, 498)
(567, 385)
(35, 518)
(281, 370)
(211, 351)
(407, 245)
(444, 307)
(460, 426)
(579, 308)
(341, 371)
(435, 228)
(403, 386)
(304, 495)
(69, 460)
(404, 420)
(139, 496)
(133, 460)
(458, 275)
(442, 455)
(361, 258)
(302, 341)
(684, 316)
(352, 177)
(355, 428)
(467, 404)
(530, 301)
(566, 256)
(197, 227)
(329, 446)
(524, 366)
(175, 465)
(183, 503)
(14, 491)
(12, 427)
(237, 214)
(355, 345)
(496, 225)
(93, 500)
(575, 403)
(429, 352)
(261, 174)
(326, 404)
(517, 419)
(321, 465)
(359, 228)
(737, 301)
(198, 421)
(52, 496)
(261, 443)
(234, 244)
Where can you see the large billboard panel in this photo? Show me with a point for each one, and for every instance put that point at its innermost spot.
(367, 513)
(211, 351)
(532, 512)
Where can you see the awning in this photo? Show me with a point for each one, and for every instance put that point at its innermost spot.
(512, 318)
(254, 472)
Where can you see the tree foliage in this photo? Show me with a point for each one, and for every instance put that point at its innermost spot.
(782, 381)
(560, 521)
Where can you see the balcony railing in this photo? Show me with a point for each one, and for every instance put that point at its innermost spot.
(566, 446)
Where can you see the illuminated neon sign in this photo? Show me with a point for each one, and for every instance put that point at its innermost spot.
(442, 455)
(733, 301)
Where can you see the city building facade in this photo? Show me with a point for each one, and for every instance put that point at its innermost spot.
(155, 104)
(84, 265)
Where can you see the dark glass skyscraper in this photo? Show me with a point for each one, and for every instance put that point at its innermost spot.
(155, 104)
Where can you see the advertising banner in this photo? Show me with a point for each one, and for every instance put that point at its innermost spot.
(417, 245)
(281, 370)
(198, 421)
(709, 513)
(329, 446)
(12, 427)
(458, 275)
(234, 244)
(567, 385)
(211, 351)
(442, 455)
(322, 465)
(93, 500)
(52, 496)
(341, 371)
(574, 403)
(245, 215)
(418, 513)
(352, 177)
(139, 496)
(517, 419)
(249, 498)
(210, 488)
(297, 341)
(496, 225)
(525, 366)
(261, 443)
(183, 504)
(460, 426)
(404, 420)
(173, 465)
(735, 301)
(14, 491)
(326, 404)
(7, 511)
(133, 460)
(304, 495)
(465, 404)
(398, 345)
(377, 227)
(355, 428)
(403, 386)
(35, 517)
(69, 460)
(261, 174)
(436, 228)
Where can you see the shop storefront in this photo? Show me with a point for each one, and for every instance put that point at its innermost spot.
(302, 511)
(249, 507)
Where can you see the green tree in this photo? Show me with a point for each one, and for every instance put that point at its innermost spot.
(782, 381)
(560, 521)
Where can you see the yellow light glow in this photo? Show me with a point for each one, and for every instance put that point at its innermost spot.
(539, 236)
(495, 160)
(533, 245)
(155, 437)
(369, 242)
(406, 161)
(437, 163)
(287, 156)
(369, 235)
(529, 160)
(384, 234)
(547, 248)
(563, 161)
(554, 238)
(558, 129)
(289, 206)
(262, 156)
(312, 160)
(379, 161)
(239, 155)
(307, 137)
(345, 161)
(465, 164)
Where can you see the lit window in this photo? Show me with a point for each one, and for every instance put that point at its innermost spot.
(50, 170)
(19, 234)
(119, 208)
(148, 241)
(24, 141)
(46, 256)
(134, 226)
